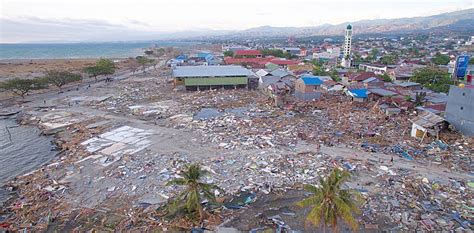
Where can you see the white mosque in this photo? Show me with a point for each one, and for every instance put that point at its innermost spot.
(346, 59)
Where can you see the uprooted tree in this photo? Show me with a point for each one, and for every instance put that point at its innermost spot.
(61, 78)
(189, 201)
(21, 87)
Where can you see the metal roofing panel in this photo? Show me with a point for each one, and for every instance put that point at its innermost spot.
(382, 92)
(210, 71)
(311, 81)
(359, 93)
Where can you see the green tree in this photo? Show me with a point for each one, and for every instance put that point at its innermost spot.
(373, 54)
(471, 61)
(440, 59)
(92, 71)
(330, 203)
(433, 79)
(106, 66)
(420, 98)
(388, 59)
(102, 67)
(228, 53)
(189, 201)
(144, 61)
(148, 52)
(335, 75)
(21, 87)
(60, 78)
(319, 70)
(386, 78)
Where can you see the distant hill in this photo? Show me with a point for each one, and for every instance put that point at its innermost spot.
(458, 20)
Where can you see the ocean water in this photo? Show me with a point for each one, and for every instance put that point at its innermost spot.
(80, 50)
(22, 150)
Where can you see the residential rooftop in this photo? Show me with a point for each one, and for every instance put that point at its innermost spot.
(210, 71)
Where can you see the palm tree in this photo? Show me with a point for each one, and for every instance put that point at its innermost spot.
(191, 198)
(330, 202)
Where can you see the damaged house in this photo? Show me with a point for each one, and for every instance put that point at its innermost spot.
(308, 88)
(427, 123)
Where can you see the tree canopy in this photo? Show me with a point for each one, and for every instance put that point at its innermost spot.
(102, 67)
(228, 53)
(330, 203)
(386, 78)
(189, 201)
(144, 61)
(440, 59)
(21, 87)
(433, 79)
(276, 53)
(60, 78)
(388, 59)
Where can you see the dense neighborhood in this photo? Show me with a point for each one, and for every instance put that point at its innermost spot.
(344, 133)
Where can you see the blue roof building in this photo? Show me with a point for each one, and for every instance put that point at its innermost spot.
(358, 94)
(311, 80)
(308, 88)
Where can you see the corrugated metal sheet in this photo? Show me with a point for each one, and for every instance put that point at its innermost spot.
(427, 119)
(216, 81)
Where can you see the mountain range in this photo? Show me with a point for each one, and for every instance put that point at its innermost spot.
(452, 21)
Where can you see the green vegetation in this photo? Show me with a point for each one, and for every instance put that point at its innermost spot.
(373, 54)
(335, 75)
(471, 61)
(189, 201)
(420, 98)
(228, 53)
(60, 78)
(433, 79)
(144, 61)
(440, 59)
(277, 53)
(148, 52)
(102, 67)
(21, 87)
(389, 59)
(330, 202)
(386, 78)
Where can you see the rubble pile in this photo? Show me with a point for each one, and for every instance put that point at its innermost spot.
(413, 202)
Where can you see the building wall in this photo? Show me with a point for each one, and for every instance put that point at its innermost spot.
(460, 109)
(307, 96)
(215, 81)
(301, 87)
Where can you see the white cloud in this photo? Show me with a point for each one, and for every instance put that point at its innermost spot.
(178, 15)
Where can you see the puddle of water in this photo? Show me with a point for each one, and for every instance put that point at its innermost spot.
(207, 113)
(22, 150)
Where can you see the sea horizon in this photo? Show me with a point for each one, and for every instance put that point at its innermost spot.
(80, 50)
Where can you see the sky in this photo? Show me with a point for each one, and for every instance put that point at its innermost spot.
(79, 20)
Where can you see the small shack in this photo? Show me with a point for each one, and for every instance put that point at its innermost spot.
(427, 123)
